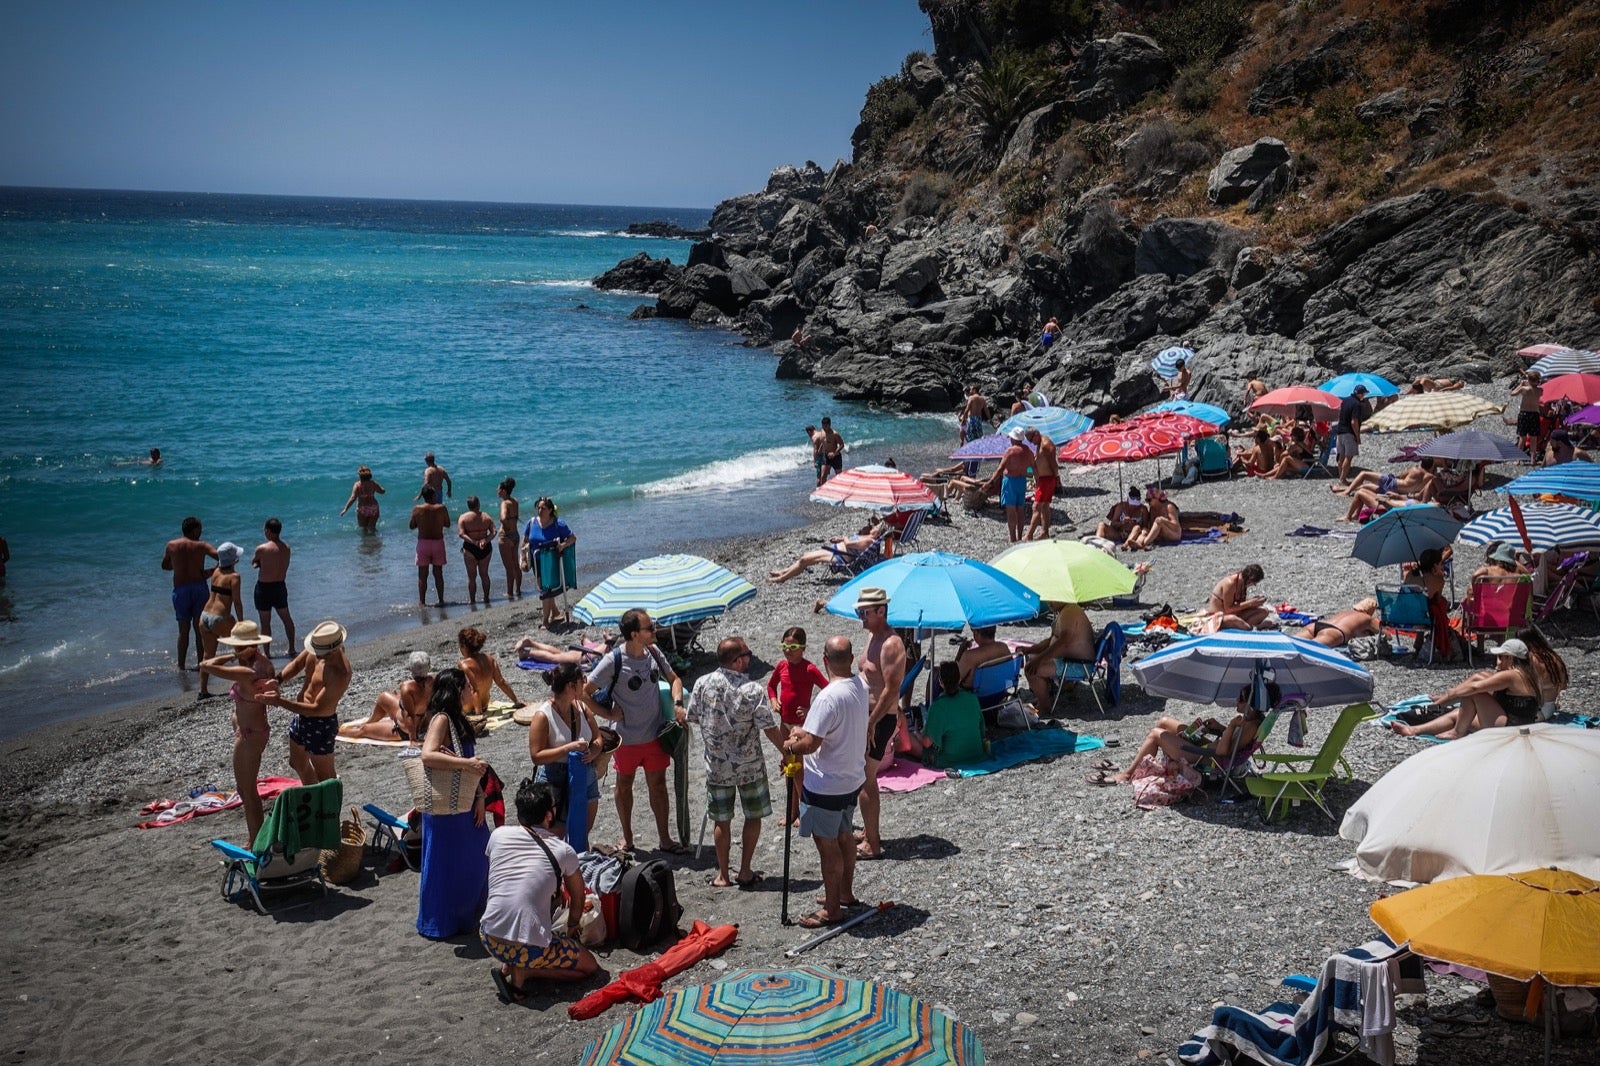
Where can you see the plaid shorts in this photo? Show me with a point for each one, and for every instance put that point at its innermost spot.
(562, 953)
(753, 798)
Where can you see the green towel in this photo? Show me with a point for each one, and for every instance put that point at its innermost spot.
(304, 817)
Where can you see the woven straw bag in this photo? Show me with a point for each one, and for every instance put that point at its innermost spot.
(440, 791)
(340, 865)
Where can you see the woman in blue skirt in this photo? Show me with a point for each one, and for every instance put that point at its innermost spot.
(455, 865)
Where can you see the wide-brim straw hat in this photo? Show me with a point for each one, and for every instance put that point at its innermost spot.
(325, 638)
(245, 635)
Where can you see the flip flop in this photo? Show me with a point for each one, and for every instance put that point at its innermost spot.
(507, 992)
(712, 881)
(676, 848)
(1106, 764)
(756, 877)
(867, 856)
(818, 920)
(843, 902)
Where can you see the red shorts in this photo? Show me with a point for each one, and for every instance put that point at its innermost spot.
(650, 755)
(430, 552)
(1044, 489)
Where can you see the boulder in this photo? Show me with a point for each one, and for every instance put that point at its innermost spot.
(1114, 72)
(1250, 266)
(703, 284)
(907, 379)
(910, 267)
(1242, 170)
(639, 273)
(1184, 246)
(927, 81)
(1037, 128)
(1384, 106)
(659, 228)
(1296, 81)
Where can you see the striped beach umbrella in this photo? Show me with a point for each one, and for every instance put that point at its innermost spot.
(1578, 479)
(1579, 388)
(991, 447)
(875, 488)
(766, 1017)
(1345, 384)
(1213, 668)
(1549, 525)
(1144, 437)
(1571, 361)
(1205, 412)
(672, 588)
(939, 590)
(1057, 423)
(1292, 401)
(1166, 363)
(1440, 410)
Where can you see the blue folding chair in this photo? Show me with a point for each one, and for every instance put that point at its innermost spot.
(994, 683)
(388, 834)
(1105, 670)
(1405, 608)
(287, 851)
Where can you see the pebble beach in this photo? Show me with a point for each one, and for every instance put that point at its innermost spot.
(1055, 918)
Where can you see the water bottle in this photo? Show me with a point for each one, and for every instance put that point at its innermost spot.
(577, 801)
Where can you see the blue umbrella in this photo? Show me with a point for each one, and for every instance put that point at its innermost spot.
(672, 588)
(1402, 534)
(1205, 412)
(1166, 364)
(1057, 423)
(1345, 384)
(1549, 525)
(991, 447)
(1573, 361)
(1472, 445)
(1213, 668)
(937, 590)
(1578, 479)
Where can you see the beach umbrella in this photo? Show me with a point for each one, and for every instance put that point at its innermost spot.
(1294, 401)
(1571, 361)
(1144, 437)
(991, 447)
(1579, 388)
(1166, 363)
(1213, 668)
(1578, 479)
(1402, 534)
(672, 588)
(806, 1016)
(1345, 384)
(1544, 525)
(875, 488)
(643, 983)
(938, 590)
(1057, 423)
(1065, 571)
(1471, 445)
(1539, 351)
(1495, 802)
(1205, 412)
(1587, 416)
(1440, 410)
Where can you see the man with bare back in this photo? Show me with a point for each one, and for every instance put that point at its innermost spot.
(316, 712)
(434, 477)
(1011, 479)
(1046, 476)
(186, 558)
(974, 409)
(883, 667)
(430, 519)
(271, 561)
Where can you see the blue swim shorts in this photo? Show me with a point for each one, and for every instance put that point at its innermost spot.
(1013, 491)
(189, 600)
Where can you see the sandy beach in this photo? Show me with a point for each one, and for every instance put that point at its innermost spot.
(1054, 917)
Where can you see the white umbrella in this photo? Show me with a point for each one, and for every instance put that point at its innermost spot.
(1499, 801)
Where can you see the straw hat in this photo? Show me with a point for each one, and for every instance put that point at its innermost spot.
(871, 597)
(327, 637)
(245, 634)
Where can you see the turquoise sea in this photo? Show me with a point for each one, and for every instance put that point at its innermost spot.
(269, 345)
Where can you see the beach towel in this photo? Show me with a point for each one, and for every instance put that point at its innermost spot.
(908, 776)
(1395, 710)
(1026, 747)
(312, 816)
(1319, 531)
(527, 664)
(341, 738)
(171, 813)
(1209, 536)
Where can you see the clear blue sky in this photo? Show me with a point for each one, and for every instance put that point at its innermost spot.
(672, 104)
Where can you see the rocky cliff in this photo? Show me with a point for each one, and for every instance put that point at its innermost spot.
(1097, 197)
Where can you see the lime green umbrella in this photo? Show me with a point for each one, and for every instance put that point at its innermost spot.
(1065, 571)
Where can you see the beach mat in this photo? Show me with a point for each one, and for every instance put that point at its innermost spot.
(1026, 747)
(908, 776)
(1319, 531)
(210, 803)
(524, 664)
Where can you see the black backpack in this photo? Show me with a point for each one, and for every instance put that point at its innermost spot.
(648, 910)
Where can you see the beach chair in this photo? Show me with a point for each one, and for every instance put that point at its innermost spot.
(1279, 790)
(853, 563)
(388, 835)
(1496, 608)
(1214, 458)
(1560, 596)
(908, 532)
(1319, 460)
(994, 683)
(1405, 609)
(1105, 670)
(1231, 771)
(287, 851)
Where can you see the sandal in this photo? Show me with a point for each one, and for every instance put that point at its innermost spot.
(1106, 764)
(675, 848)
(817, 920)
(756, 877)
(1101, 778)
(508, 992)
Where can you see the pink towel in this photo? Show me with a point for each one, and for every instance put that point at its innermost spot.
(908, 776)
(211, 803)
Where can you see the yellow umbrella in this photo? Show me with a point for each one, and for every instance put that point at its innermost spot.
(1442, 410)
(1541, 923)
(1065, 571)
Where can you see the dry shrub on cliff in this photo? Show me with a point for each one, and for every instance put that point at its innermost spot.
(1159, 146)
(925, 195)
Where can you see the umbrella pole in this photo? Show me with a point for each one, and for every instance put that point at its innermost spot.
(836, 930)
(789, 771)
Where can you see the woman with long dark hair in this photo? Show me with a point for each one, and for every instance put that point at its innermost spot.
(565, 724)
(455, 867)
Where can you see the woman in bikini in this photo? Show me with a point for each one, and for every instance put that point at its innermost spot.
(1204, 738)
(364, 494)
(1506, 695)
(223, 607)
(1550, 668)
(510, 537)
(1338, 629)
(250, 674)
(475, 528)
(1164, 526)
(397, 715)
(482, 671)
(1295, 458)
(565, 724)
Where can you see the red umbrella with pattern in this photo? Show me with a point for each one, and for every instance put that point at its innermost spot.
(1140, 438)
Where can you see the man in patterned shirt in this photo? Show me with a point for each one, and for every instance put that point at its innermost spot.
(732, 711)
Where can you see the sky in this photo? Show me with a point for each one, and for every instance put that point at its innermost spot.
(678, 104)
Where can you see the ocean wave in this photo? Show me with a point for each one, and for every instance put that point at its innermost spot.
(43, 656)
(726, 473)
(560, 283)
(585, 233)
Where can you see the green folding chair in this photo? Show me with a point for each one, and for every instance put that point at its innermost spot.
(1279, 790)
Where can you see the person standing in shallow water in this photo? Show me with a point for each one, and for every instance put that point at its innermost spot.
(474, 528)
(435, 477)
(429, 518)
(271, 561)
(186, 557)
(510, 536)
(364, 494)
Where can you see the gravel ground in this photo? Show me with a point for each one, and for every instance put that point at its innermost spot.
(1054, 917)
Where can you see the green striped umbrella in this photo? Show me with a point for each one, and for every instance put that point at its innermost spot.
(672, 588)
(805, 1015)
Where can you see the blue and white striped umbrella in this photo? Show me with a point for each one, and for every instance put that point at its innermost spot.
(1213, 668)
(1572, 361)
(1057, 423)
(672, 588)
(1205, 412)
(1345, 384)
(1166, 364)
(1550, 525)
(1578, 479)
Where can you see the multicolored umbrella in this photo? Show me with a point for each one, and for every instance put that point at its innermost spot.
(1213, 668)
(1440, 410)
(1292, 402)
(1571, 361)
(1549, 525)
(1065, 571)
(1057, 423)
(1579, 388)
(1205, 412)
(672, 588)
(767, 1017)
(1578, 479)
(1345, 384)
(876, 488)
(938, 590)
(1144, 437)
(1473, 446)
(991, 447)
(1166, 364)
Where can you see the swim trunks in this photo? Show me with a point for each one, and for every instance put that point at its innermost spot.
(882, 733)
(1013, 491)
(974, 427)
(316, 735)
(189, 600)
(272, 594)
(430, 552)
(1044, 489)
(474, 550)
(836, 461)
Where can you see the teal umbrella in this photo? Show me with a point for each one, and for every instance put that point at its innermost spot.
(937, 590)
(672, 588)
(1057, 423)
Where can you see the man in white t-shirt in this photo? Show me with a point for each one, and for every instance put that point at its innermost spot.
(831, 741)
(515, 928)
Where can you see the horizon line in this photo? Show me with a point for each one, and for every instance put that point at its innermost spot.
(366, 199)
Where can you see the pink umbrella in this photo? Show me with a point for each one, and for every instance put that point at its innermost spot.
(1538, 351)
(1287, 403)
(877, 488)
(1139, 438)
(1579, 388)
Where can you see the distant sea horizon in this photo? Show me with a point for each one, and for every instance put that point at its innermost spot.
(270, 344)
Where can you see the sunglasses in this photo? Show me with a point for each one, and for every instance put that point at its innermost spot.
(792, 647)
(651, 628)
